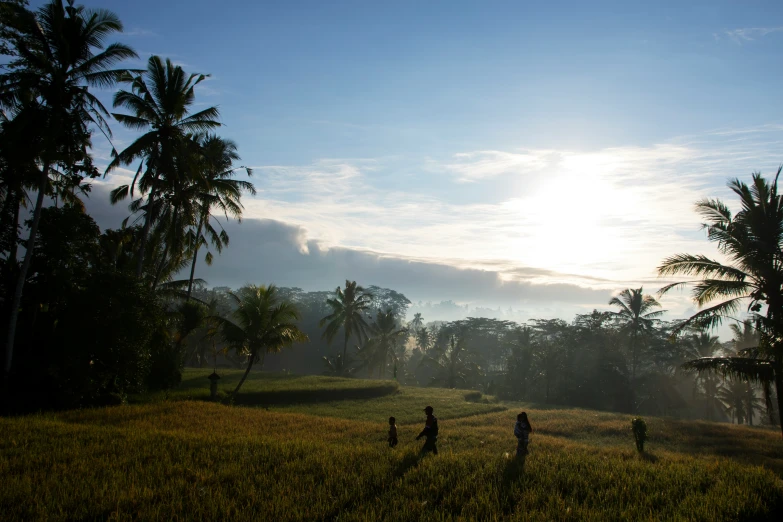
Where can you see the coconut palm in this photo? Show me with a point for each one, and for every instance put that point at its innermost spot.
(348, 310)
(637, 316)
(416, 323)
(752, 243)
(697, 345)
(732, 395)
(262, 323)
(215, 190)
(385, 335)
(160, 100)
(56, 55)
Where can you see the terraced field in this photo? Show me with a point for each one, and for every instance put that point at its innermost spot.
(324, 457)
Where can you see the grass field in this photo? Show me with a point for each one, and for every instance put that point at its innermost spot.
(193, 459)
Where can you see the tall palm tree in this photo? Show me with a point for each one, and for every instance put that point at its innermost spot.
(416, 323)
(752, 243)
(732, 396)
(423, 339)
(56, 54)
(160, 100)
(385, 334)
(216, 190)
(262, 323)
(348, 310)
(697, 345)
(637, 315)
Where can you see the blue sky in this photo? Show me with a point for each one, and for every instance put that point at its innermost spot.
(544, 142)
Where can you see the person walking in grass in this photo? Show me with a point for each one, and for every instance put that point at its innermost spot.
(392, 432)
(430, 431)
(522, 431)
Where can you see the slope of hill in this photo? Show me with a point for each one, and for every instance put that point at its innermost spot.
(324, 460)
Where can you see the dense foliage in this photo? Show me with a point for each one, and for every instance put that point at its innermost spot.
(92, 316)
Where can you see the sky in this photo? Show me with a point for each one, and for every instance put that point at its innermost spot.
(538, 156)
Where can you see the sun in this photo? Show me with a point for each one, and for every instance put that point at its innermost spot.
(567, 223)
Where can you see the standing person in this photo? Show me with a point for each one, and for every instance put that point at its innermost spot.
(430, 431)
(392, 432)
(522, 431)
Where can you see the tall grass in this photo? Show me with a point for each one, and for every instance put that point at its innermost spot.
(199, 460)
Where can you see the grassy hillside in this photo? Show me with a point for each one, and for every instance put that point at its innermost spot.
(328, 461)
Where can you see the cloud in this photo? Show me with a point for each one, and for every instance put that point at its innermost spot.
(535, 222)
(140, 32)
(749, 34)
(479, 165)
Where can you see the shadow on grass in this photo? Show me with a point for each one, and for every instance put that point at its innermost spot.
(513, 475)
(284, 397)
(408, 462)
(648, 457)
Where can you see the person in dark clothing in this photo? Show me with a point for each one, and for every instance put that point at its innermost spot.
(522, 431)
(392, 432)
(430, 431)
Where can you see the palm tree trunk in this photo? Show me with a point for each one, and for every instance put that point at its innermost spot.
(195, 257)
(15, 200)
(161, 265)
(242, 380)
(779, 388)
(148, 218)
(633, 373)
(20, 280)
(345, 346)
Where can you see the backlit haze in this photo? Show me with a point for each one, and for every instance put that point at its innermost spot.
(532, 156)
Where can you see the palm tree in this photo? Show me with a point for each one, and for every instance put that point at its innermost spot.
(348, 310)
(638, 318)
(702, 344)
(216, 191)
(752, 242)
(160, 100)
(732, 395)
(382, 343)
(416, 323)
(742, 339)
(56, 55)
(261, 324)
(423, 339)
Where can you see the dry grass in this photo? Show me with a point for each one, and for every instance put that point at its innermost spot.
(206, 461)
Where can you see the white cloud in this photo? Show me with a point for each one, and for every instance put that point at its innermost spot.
(484, 164)
(595, 219)
(748, 34)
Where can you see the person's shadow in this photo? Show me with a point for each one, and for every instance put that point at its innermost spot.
(513, 470)
(408, 462)
(513, 473)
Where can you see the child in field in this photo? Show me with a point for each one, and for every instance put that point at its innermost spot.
(522, 431)
(392, 432)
